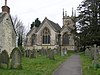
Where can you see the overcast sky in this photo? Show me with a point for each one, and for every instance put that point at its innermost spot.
(29, 10)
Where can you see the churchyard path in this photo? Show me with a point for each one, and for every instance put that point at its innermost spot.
(72, 66)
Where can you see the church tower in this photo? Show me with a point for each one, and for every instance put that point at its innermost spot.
(65, 17)
(67, 36)
(67, 20)
(5, 8)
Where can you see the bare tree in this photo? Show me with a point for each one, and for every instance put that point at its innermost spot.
(19, 27)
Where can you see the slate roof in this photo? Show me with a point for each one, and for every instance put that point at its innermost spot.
(55, 25)
(2, 15)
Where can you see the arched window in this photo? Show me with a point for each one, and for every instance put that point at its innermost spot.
(65, 40)
(46, 36)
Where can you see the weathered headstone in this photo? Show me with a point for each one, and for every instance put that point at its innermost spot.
(50, 54)
(87, 51)
(4, 59)
(63, 51)
(91, 54)
(96, 53)
(33, 53)
(55, 51)
(43, 51)
(98, 49)
(16, 59)
(27, 53)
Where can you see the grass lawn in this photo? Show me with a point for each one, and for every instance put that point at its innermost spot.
(86, 66)
(36, 66)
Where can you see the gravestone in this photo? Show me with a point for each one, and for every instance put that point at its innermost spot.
(91, 54)
(87, 51)
(95, 62)
(4, 59)
(55, 51)
(50, 54)
(43, 51)
(96, 53)
(98, 49)
(64, 52)
(27, 53)
(33, 53)
(16, 59)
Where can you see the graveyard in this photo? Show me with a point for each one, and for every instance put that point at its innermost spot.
(48, 49)
(39, 65)
(46, 62)
(87, 66)
(91, 61)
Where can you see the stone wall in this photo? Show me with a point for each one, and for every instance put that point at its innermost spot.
(9, 36)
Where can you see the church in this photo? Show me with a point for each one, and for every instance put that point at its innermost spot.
(7, 31)
(50, 35)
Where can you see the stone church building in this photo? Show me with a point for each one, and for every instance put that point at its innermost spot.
(7, 31)
(51, 35)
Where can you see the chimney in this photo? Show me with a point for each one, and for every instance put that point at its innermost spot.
(5, 8)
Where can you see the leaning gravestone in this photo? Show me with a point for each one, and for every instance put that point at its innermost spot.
(4, 59)
(16, 59)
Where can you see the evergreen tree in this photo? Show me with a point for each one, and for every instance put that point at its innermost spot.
(32, 25)
(89, 21)
(36, 23)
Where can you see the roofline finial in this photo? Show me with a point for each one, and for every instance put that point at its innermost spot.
(5, 2)
(66, 13)
(63, 12)
(75, 13)
(72, 12)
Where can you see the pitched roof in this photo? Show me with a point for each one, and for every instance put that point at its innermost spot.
(2, 15)
(55, 25)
